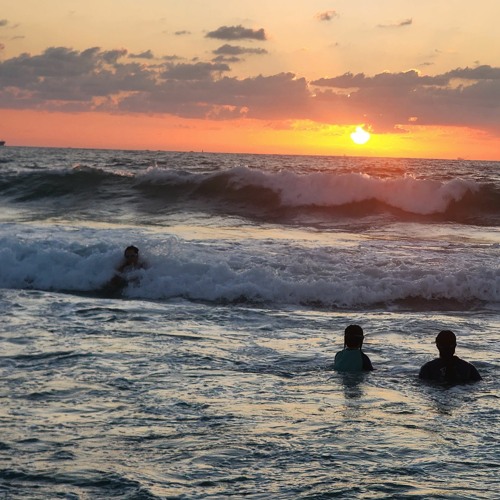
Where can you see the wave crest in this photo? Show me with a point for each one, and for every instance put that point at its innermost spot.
(239, 187)
(276, 274)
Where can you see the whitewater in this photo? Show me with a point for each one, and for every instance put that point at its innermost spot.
(209, 375)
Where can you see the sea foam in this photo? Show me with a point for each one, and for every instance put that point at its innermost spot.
(280, 272)
(418, 196)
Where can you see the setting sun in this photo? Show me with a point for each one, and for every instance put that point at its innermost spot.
(206, 82)
(360, 136)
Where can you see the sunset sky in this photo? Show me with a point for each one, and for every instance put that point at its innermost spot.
(294, 76)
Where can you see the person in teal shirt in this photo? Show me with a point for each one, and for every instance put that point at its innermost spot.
(352, 358)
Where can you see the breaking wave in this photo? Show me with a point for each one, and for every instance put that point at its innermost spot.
(284, 273)
(352, 194)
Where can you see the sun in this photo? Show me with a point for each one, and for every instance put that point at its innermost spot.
(360, 136)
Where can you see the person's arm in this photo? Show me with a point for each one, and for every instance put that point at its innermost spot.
(474, 374)
(367, 364)
(424, 372)
(122, 266)
(335, 360)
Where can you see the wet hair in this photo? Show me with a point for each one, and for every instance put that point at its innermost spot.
(353, 336)
(446, 342)
(131, 248)
(446, 337)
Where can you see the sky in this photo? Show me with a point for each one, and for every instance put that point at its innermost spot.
(261, 76)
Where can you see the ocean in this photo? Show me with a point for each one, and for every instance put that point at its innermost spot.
(210, 375)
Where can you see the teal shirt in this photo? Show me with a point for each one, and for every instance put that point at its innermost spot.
(352, 360)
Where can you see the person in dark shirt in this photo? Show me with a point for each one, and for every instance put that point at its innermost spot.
(352, 358)
(448, 367)
(122, 278)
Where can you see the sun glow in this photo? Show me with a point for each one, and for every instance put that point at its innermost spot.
(360, 136)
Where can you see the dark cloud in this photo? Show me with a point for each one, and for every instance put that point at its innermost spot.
(401, 80)
(389, 100)
(227, 59)
(182, 32)
(407, 79)
(260, 97)
(54, 62)
(94, 79)
(237, 33)
(60, 74)
(112, 56)
(196, 71)
(327, 15)
(347, 80)
(234, 50)
(483, 72)
(406, 22)
(147, 54)
(171, 58)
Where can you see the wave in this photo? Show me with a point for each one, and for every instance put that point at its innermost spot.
(276, 274)
(282, 193)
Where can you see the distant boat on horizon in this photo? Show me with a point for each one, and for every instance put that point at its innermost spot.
(2, 143)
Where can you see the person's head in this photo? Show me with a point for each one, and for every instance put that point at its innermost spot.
(446, 342)
(353, 337)
(131, 253)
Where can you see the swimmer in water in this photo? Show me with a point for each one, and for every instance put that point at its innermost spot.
(131, 262)
(448, 367)
(352, 358)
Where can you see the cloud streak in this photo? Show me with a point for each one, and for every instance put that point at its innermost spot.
(401, 24)
(63, 79)
(230, 53)
(237, 33)
(233, 50)
(147, 54)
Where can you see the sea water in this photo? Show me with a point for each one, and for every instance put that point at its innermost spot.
(210, 374)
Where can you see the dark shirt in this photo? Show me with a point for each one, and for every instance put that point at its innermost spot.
(455, 371)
